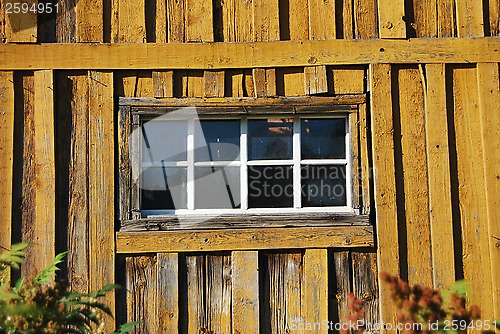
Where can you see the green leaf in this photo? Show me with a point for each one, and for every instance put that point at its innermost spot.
(125, 328)
(18, 285)
(47, 275)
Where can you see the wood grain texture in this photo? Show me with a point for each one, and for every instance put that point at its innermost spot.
(244, 239)
(355, 160)
(21, 27)
(218, 293)
(426, 18)
(345, 19)
(489, 100)
(494, 19)
(66, 22)
(245, 292)
(176, 18)
(384, 182)
(163, 84)
(446, 18)
(343, 283)
(101, 183)
(315, 80)
(469, 18)
(173, 56)
(141, 293)
(414, 160)
(213, 83)
(391, 19)
(438, 164)
(196, 301)
(365, 19)
(89, 20)
(365, 283)
(44, 222)
(199, 21)
(167, 292)
(348, 79)
(364, 173)
(161, 21)
(476, 254)
(321, 19)
(298, 16)
(7, 156)
(315, 287)
(131, 21)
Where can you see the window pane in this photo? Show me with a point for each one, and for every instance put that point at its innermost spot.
(323, 138)
(217, 140)
(324, 185)
(164, 140)
(270, 186)
(163, 188)
(270, 139)
(217, 188)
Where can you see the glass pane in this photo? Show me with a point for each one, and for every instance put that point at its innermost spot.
(164, 140)
(323, 138)
(270, 139)
(270, 186)
(163, 188)
(324, 185)
(217, 188)
(217, 140)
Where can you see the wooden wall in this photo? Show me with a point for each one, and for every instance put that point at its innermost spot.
(433, 131)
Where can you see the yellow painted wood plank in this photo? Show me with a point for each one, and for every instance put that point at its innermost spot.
(364, 174)
(196, 301)
(348, 79)
(347, 15)
(213, 83)
(167, 293)
(292, 281)
(298, 20)
(446, 18)
(315, 287)
(101, 183)
(391, 18)
(426, 18)
(7, 155)
(469, 18)
(199, 21)
(176, 16)
(472, 198)
(489, 100)
(21, 27)
(315, 80)
(245, 293)
(163, 84)
(438, 164)
(321, 19)
(384, 182)
(266, 20)
(44, 225)
(414, 160)
(161, 19)
(173, 56)
(131, 21)
(245, 239)
(365, 19)
(494, 9)
(218, 293)
(89, 21)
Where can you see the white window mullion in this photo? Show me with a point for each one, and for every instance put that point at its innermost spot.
(244, 160)
(297, 198)
(190, 168)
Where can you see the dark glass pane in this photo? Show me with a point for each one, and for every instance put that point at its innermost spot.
(217, 140)
(324, 185)
(323, 138)
(217, 188)
(270, 186)
(270, 139)
(164, 140)
(163, 188)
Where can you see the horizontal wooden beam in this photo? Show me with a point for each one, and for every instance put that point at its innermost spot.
(247, 55)
(244, 239)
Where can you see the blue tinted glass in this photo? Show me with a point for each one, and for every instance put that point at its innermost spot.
(270, 139)
(323, 138)
(217, 140)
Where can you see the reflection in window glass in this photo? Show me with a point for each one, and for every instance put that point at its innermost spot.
(323, 138)
(164, 140)
(217, 188)
(217, 140)
(270, 186)
(324, 185)
(163, 188)
(270, 139)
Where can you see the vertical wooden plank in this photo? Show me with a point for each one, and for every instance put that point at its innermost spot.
(131, 22)
(66, 22)
(315, 287)
(355, 159)
(89, 21)
(364, 174)
(141, 293)
(343, 280)
(44, 222)
(264, 82)
(6, 156)
(414, 159)
(199, 21)
(346, 19)
(348, 79)
(214, 83)
(315, 80)
(384, 180)
(101, 183)
(469, 18)
(365, 19)
(446, 19)
(78, 215)
(21, 27)
(471, 189)
(3, 23)
(292, 284)
(245, 292)
(167, 295)
(218, 292)
(196, 298)
(391, 14)
(494, 8)
(426, 18)
(163, 83)
(489, 100)
(438, 164)
(321, 19)
(176, 16)
(365, 284)
(298, 20)
(161, 21)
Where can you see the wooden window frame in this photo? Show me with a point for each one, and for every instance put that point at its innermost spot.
(355, 227)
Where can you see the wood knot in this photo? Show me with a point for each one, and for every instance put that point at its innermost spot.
(312, 60)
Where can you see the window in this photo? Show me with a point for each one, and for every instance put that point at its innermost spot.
(249, 164)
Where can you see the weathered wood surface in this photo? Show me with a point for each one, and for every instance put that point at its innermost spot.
(244, 239)
(247, 55)
(365, 284)
(391, 15)
(315, 287)
(343, 283)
